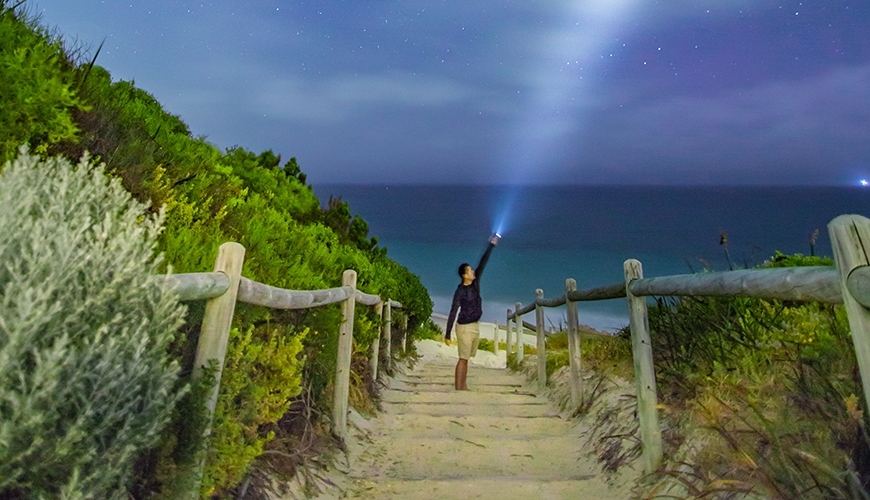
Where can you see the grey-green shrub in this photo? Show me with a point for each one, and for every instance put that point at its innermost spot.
(85, 380)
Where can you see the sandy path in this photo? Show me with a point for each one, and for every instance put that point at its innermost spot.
(497, 441)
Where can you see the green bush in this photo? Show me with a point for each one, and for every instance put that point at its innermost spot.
(428, 330)
(600, 353)
(485, 345)
(261, 375)
(86, 384)
(36, 88)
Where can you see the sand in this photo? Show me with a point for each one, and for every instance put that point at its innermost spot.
(433, 352)
(500, 440)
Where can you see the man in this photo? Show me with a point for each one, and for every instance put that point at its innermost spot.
(466, 300)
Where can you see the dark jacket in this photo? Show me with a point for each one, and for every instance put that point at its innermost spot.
(466, 298)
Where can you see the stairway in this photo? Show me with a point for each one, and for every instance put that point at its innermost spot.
(497, 441)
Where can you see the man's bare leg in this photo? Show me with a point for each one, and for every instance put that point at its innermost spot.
(461, 375)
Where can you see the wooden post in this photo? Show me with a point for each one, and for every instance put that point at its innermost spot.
(518, 323)
(215, 333)
(405, 333)
(508, 344)
(542, 340)
(376, 345)
(495, 339)
(850, 236)
(388, 341)
(644, 372)
(573, 344)
(342, 368)
(218, 318)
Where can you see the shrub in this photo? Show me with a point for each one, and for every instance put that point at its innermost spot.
(771, 389)
(85, 380)
(428, 330)
(485, 345)
(262, 373)
(36, 88)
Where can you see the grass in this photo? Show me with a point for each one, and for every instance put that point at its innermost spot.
(771, 387)
(758, 399)
(604, 354)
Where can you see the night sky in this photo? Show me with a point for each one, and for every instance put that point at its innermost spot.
(517, 91)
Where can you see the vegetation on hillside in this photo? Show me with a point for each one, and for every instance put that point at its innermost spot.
(759, 398)
(60, 103)
(773, 386)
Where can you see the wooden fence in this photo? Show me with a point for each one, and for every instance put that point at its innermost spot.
(224, 287)
(847, 283)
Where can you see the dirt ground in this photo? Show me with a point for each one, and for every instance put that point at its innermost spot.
(500, 441)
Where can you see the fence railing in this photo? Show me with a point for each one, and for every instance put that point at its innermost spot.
(847, 283)
(224, 287)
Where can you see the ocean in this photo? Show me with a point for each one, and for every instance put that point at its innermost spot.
(552, 233)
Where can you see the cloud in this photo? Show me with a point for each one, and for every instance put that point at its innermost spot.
(820, 119)
(346, 96)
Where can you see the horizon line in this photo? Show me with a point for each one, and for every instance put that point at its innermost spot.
(609, 185)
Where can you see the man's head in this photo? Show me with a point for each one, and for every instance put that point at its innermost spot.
(466, 272)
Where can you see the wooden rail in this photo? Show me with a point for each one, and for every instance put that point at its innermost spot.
(199, 286)
(202, 286)
(846, 283)
(786, 283)
(224, 287)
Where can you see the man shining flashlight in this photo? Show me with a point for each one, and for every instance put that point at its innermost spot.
(466, 300)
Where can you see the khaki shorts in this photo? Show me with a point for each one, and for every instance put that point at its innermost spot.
(467, 338)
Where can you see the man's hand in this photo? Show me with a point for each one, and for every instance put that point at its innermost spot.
(447, 341)
(493, 240)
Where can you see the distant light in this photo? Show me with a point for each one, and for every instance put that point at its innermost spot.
(864, 182)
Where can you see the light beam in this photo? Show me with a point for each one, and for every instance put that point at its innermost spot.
(560, 94)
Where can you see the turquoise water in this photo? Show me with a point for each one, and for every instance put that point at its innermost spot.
(586, 233)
